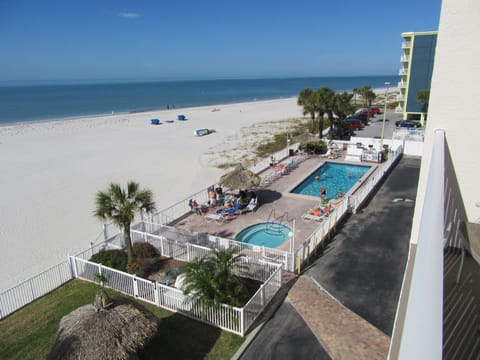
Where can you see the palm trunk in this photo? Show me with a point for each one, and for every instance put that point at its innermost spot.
(128, 242)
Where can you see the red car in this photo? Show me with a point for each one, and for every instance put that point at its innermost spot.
(354, 124)
(373, 111)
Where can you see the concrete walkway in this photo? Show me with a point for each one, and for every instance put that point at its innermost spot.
(342, 333)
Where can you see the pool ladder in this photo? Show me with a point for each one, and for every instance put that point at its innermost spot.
(274, 223)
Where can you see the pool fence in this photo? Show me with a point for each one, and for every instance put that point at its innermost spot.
(233, 319)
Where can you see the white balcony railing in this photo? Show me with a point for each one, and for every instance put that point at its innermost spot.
(404, 58)
(406, 44)
(402, 72)
(402, 84)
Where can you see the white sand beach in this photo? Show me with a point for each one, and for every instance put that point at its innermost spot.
(51, 172)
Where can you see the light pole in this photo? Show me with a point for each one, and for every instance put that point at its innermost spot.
(384, 114)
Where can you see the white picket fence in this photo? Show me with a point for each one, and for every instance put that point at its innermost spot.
(229, 318)
(183, 245)
(27, 291)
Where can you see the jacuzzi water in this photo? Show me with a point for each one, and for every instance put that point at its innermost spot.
(268, 234)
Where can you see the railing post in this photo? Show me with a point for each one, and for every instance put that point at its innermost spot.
(73, 266)
(135, 285)
(242, 322)
(157, 298)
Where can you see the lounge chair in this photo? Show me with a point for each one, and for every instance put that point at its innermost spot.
(217, 217)
(252, 205)
(233, 210)
(308, 216)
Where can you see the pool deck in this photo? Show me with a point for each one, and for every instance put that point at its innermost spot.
(275, 201)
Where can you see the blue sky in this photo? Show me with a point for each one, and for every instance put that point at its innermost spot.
(191, 39)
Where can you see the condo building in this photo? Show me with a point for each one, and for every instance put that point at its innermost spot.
(416, 72)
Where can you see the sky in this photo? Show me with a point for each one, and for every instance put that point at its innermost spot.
(191, 39)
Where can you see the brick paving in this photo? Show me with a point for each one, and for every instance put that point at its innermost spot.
(342, 333)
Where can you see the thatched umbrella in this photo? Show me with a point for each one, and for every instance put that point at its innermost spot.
(240, 178)
(115, 331)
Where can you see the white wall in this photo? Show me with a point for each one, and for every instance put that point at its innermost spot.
(455, 101)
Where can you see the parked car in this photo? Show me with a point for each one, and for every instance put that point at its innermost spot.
(375, 111)
(408, 124)
(365, 111)
(359, 116)
(355, 124)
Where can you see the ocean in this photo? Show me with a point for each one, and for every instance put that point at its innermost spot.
(51, 101)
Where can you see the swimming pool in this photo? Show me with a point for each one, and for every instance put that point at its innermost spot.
(334, 176)
(268, 234)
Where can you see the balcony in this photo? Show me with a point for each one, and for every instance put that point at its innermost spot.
(400, 97)
(402, 72)
(402, 84)
(406, 45)
(404, 58)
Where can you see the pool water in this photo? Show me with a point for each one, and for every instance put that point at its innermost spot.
(269, 234)
(334, 176)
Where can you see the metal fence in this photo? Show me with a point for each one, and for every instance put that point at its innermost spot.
(230, 318)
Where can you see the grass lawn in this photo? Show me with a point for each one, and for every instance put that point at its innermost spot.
(30, 332)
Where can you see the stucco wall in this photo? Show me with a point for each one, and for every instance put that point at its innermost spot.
(455, 101)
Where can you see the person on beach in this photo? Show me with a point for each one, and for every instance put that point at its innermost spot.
(212, 196)
(196, 207)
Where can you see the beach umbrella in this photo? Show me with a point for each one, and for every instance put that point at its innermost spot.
(117, 330)
(240, 178)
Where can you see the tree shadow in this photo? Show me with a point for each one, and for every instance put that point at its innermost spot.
(267, 196)
(179, 337)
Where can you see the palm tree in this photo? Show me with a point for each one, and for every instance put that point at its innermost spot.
(324, 101)
(211, 280)
(356, 91)
(305, 99)
(120, 206)
(423, 97)
(368, 95)
(343, 106)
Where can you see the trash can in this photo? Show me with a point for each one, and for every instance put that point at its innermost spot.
(291, 152)
(181, 117)
(155, 121)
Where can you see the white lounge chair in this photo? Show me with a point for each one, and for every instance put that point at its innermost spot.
(252, 205)
(217, 217)
(308, 216)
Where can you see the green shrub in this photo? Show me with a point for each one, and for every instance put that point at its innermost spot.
(116, 259)
(319, 147)
(144, 250)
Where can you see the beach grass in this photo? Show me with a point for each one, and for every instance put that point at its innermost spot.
(30, 332)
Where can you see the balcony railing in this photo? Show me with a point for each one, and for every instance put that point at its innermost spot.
(402, 72)
(404, 58)
(400, 97)
(406, 44)
(402, 84)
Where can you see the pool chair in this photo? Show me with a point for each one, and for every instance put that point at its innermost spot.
(217, 217)
(308, 216)
(252, 205)
(233, 210)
